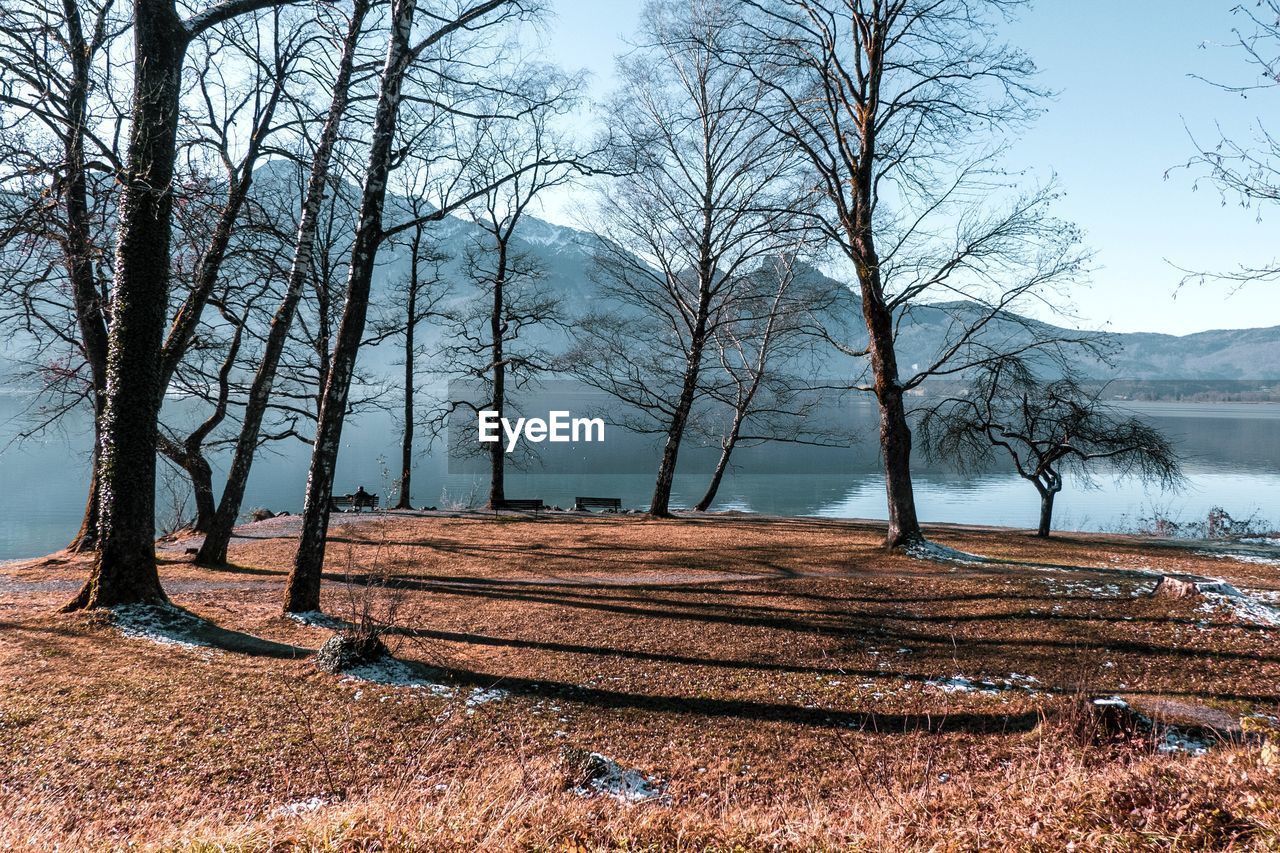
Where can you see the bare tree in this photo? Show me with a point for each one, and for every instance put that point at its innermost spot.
(125, 571)
(214, 549)
(415, 299)
(240, 81)
(303, 590)
(710, 193)
(492, 340)
(903, 110)
(761, 353)
(1047, 429)
(189, 452)
(52, 89)
(1246, 168)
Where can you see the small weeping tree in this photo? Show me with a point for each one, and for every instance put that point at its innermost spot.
(1048, 429)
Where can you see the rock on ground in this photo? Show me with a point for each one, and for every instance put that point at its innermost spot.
(343, 651)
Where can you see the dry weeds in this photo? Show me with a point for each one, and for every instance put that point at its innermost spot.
(782, 676)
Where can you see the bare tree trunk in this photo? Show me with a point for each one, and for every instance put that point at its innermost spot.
(303, 591)
(1047, 496)
(709, 496)
(722, 464)
(202, 487)
(497, 451)
(86, 538)
(895, 446)
(411, 322)
(895, 431)
(660, 505)
(406, 442)
(199, 472)
(125, 571)
(214, 549)
(78, 254)
(189, 455)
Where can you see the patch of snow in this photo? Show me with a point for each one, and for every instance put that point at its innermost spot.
(300, 807)
(1178, 742)
(610, 779)
(1256, 559)
(316, 619)
(992, 687)
(1219, 594)
(394, 673)
(160, 623)
(1172, 740)
(960, 684)
(1243, 607)
(926, 550)
(483, 696)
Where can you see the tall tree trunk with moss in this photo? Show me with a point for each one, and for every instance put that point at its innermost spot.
(125, 570)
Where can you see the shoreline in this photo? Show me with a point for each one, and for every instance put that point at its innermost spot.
(287, 526)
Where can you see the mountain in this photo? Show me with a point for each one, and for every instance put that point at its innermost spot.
(565, 258)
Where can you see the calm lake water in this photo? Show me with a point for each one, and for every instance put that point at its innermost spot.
(1232, 454)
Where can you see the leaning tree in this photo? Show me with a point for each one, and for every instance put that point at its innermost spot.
(1048, 429)
(346, 36)
(430, 63)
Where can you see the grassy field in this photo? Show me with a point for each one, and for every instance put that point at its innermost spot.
(785, 683)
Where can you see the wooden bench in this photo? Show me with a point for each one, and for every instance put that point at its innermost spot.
(345, 503)
(606, 504)
(521, 504)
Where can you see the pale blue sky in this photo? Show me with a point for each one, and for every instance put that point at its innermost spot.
(1122, 69)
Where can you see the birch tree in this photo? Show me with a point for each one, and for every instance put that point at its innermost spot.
(764, 358)
(214, 548)
(403, 53)
(711, 191)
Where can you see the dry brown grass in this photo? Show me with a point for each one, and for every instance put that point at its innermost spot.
(755, 665)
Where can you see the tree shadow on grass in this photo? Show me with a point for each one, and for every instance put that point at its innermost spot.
(617, 700)
(169, 624)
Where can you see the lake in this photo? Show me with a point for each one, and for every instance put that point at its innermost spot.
(1232, 454)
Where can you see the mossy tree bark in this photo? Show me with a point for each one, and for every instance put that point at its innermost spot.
(125, 570)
